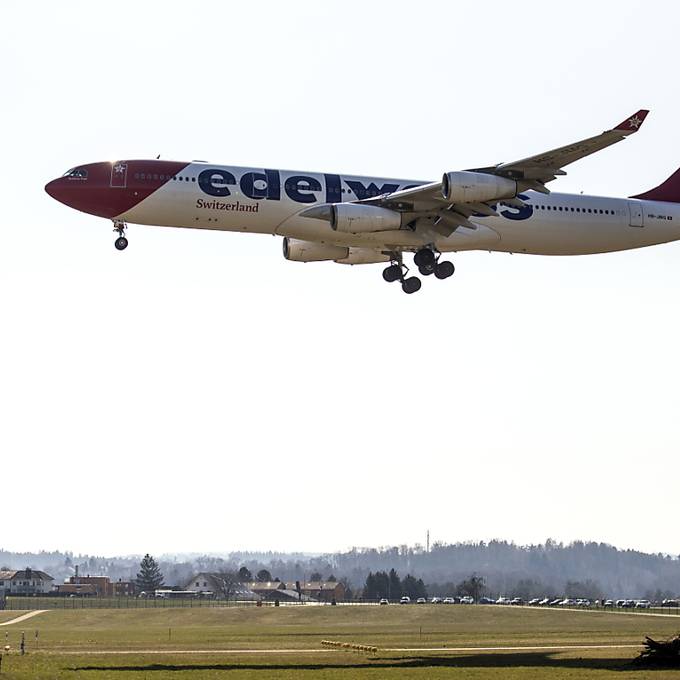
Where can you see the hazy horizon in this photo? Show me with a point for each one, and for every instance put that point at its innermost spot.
(199, 390)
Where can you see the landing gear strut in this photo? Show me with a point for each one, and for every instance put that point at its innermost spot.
(121, 242)
(428, 262)
(397, 272)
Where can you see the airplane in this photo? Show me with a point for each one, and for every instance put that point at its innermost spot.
(362, 220)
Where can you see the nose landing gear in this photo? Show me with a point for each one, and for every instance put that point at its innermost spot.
(121, 243)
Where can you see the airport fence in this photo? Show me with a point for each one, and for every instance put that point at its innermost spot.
(18, 602)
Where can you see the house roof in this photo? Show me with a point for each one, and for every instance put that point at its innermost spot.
(257, 586)
(315, 585)
(6, 575)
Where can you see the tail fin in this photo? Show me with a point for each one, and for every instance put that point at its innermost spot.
(669, 191)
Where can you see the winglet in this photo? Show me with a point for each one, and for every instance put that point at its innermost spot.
(633, 123)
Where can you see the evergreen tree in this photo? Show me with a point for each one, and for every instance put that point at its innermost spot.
(244, 574)
(149, 577)
(382, 584)
(264, 575)
(369, 587)
(413, 587)
(394, 585)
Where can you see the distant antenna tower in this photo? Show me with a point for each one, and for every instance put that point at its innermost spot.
(427, 542)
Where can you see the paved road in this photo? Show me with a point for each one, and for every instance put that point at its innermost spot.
(617, 612)
(23, 617)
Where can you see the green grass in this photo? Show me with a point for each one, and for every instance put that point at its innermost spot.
(9, 615)
(74, 644)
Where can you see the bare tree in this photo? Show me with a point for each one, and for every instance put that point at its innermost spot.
(226, 583)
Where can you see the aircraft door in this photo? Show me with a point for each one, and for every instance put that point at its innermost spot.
(636, 215)
(119, 175)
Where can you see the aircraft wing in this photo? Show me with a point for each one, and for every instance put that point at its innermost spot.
(531, 173)
(546, 166)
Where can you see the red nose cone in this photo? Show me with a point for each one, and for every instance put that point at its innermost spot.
(55, 189)
(112, 189)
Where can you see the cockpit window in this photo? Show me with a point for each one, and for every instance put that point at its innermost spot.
(79, 173)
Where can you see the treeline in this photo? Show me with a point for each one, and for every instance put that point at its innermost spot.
(391, 586)
(578, 569)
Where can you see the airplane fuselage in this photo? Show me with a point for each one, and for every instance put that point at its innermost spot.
(199, 195)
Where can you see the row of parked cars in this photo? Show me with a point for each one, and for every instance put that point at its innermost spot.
(584, 602)
(543, 602)
(434, 600)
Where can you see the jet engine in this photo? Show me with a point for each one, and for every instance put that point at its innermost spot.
(469, 187)
(361, 219)
(308, 251)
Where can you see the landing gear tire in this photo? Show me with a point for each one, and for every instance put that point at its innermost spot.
(426, 271)
(121, 243)
(444, 269)
(411, 285)
(392, 273)
(424, 258)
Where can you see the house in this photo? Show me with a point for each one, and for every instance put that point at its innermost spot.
(322, 591)
(266, 590)
(98, 586)
(210, 583)
(80, 589)
(25, 582)
(277, 590)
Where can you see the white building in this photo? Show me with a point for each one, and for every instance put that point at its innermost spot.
(212, 583)
(25, 582)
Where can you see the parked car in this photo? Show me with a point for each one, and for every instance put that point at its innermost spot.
(436, 600)
(467, 600)
(384, 600)
(669, 603)
(608, 603)
(568, 602)
(643, 604)
(555, 602)
(534, 601)
(405, 600)
(421, 600)
(583, 602)
(486, 600)
(503, 600)
(544, 601)
(449, 600)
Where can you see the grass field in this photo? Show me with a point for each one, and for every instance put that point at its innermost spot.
(285, 642)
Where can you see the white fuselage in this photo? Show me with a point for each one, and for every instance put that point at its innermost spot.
(557, 224)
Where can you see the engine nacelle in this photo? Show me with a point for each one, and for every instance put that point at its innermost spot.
(467, 187)
(308, 251)
(363, 256)
(351, 218)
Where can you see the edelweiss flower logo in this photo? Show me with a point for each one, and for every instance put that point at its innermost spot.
(119, 168)
(634, 122)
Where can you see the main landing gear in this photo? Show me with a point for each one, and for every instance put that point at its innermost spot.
(397, 272)
(428, 263)
(121, 242)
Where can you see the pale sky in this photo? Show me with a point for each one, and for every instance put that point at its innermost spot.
(199, 393)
